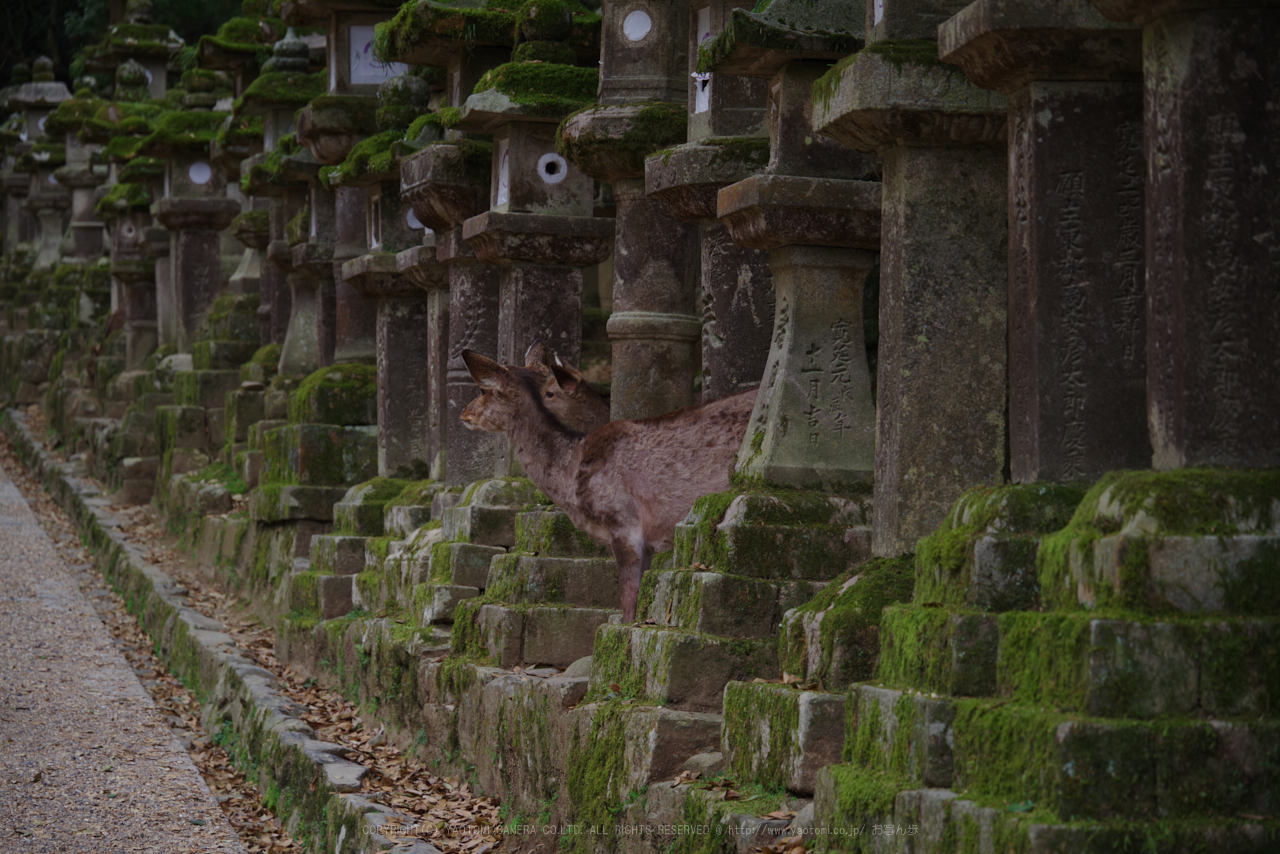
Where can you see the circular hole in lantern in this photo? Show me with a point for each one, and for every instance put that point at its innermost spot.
(128, 230)
(200, 172)
(637, 25)
(552, 168)
(412, 220)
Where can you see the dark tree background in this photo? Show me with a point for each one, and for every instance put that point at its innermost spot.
(59, 28)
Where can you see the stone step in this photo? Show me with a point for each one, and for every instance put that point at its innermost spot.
(336, 554)
(527, 635)
(834, 639)
(435, 604)
(1142, 669)
(776, 735)
(244, 409)
(938, 650)
(792, 535)
(487, 526)
(222, 355)
(153, 399)
(590, 582)
(204, 388)
(863, 810)
(549, 532)
(258, 431)
(362, 509)
(901, 733)
(983, 555)
(719, 604)
(275, 503)
(136, 437)
(320, 455)
(1100, 769)
(678, 669)
(437, 562)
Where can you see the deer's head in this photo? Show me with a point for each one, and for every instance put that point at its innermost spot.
(565, 392)
(507, 393)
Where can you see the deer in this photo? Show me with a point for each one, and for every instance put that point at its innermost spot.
(627, 483)
(566, 393)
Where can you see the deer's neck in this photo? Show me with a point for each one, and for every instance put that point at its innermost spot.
(551, 456)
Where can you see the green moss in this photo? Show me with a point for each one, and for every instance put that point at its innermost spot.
(863, 799)
(338, 394)
(71, 115)
(223, 474)
(426, 21)
(244, 131)
(123, 197)
(596, 776)
(143, 170)
(298, 229)
(123, 147)
(759, 750)
(371, 156)
(758, 32)
(543, 89)
(656, 125)
(268, 354)
(42, 155)
(193, 129)
(852, 606)
(251, 222)
(557, 53)
(281, 89)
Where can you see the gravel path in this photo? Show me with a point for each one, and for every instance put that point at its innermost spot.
(87, 762)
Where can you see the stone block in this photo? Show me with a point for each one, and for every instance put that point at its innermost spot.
(137, 436)
(801, 535)
(934, 649)
(581, 582)
(204, 388)
(244, 409)
(337, 555)
(139, 468)
(345, 395)
(258, 430)
(335, 595)
(362, 509)
(902, 733)
(462, 563)
(436, 603)
(274, 503)
(136, 491)
(216, 420)
(718, 604)
(775, 735)
(181, 427)
(488, 526)
(681, 670)
(834, 639)
(549, 532)
(531, 636)
(320, 455)
(402, 520)
(222, 355)
(248, 465)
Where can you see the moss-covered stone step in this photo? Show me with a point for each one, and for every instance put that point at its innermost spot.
(902, 733)
(1188, 540)
(590, 582)
(526, 635)
(361, 510)
(779, 736)
(939, 650)
(275, 503)
(1099, 768)
(548, 531)
(129, 385)
(834, 638)
(345, 395)
(789, 535)
(136, 436)
(243, 410)
(222, 355)
(856, 806)
(259, 430)
(320, 455)
(983, 555)
(720, 604)
(204, 388)
(411, 509)
(677, 669)
(436, 604)
(466, 564)
(1140, 668)
(336, 554)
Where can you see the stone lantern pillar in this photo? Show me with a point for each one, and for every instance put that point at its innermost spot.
(1077, 366)
(941, 418)
(654, 326)
(276, 95)
(539, 227)
(47, 200)
(81, 177)
(1212, 74)
(448, 183)
(330, 125)
(195, 209)
(813, 209)
(725, 144)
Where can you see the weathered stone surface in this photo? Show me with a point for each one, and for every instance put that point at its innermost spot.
(776, 735)
(909, 734)
(726, 605)
(936, 650)
(436, 603)
(531, 636)
(337, 555)
(320, 455)
(335, 595)
(289, 503)
(549, 532)
(580, 582)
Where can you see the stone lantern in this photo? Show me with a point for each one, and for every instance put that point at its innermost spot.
(81, 177)
(284, 86)
(654, 325)
(150, 45)
(941, 418)
(725, 144)
(1077, 303)
(46, 199)
(195, 208)
(330, 126)
(539, 227)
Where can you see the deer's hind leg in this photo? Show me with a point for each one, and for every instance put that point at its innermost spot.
(633, 558)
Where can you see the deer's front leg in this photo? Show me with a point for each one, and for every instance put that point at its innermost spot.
(633, 557)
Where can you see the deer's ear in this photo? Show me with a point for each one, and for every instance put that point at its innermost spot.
(537, 355)
(487, 373)
(567, 380)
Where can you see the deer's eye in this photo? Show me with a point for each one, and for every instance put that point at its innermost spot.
(551, 394)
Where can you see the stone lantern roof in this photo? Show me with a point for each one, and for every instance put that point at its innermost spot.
(239, 43)
(42, 92)
(757, 43)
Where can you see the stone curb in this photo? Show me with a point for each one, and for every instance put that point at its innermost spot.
(311, 784)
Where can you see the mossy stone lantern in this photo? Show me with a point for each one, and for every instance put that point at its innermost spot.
(40, 156)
